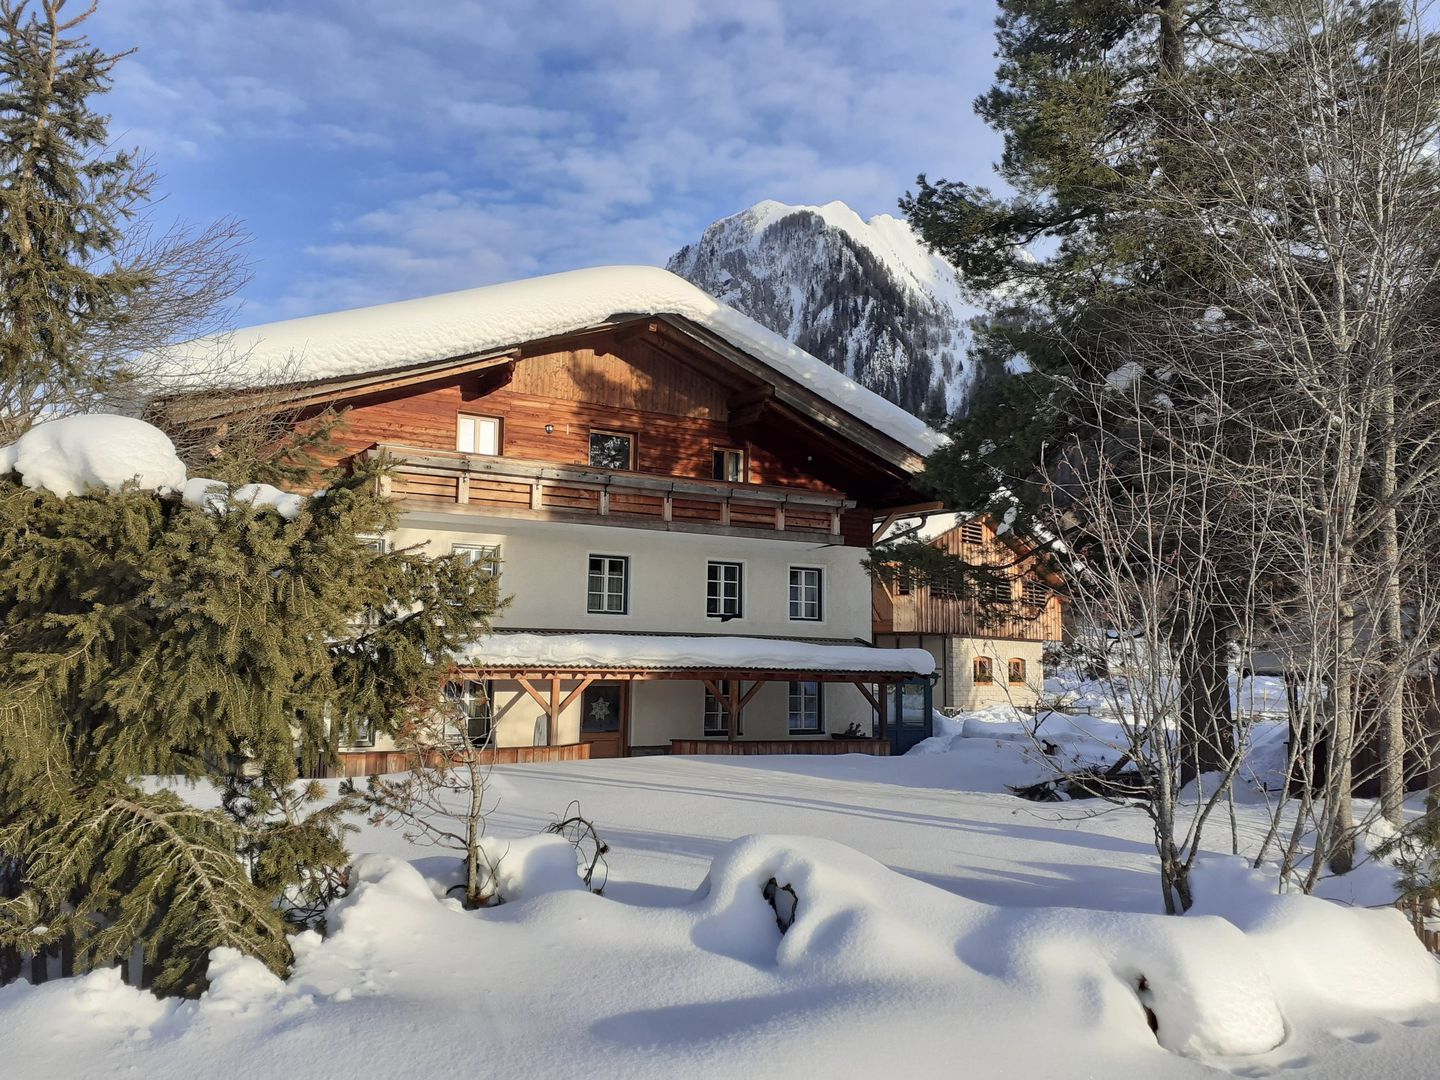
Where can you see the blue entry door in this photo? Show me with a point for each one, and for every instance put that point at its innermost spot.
(912, 720)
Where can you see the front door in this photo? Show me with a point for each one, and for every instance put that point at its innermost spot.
(602, 719)
(913, 720)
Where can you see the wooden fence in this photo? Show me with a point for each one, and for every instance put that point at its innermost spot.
(376, 762)
(873, 747)
(1421, 916)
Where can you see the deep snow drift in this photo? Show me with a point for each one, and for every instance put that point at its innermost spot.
(681, 969)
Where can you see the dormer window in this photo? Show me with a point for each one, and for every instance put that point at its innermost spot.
(612, 450)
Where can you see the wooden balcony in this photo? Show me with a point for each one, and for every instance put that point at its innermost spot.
(510, 487)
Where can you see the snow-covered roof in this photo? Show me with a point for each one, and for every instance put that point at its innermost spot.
(711, 652)
(471, 321)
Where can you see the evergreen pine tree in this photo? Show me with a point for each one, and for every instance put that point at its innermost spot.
(85, 285)
(145, 636)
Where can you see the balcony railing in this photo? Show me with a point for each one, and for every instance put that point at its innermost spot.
(511, 487)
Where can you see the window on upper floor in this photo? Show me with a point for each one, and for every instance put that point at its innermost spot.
(996, 590)
(1036, 593)
(485, 556)
(612, 450)
(608, 585)
(805, 589)
(983, 670)
(728, 465)
(724, 583)
(477, 434)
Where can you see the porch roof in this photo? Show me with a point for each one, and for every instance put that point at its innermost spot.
(714, 654)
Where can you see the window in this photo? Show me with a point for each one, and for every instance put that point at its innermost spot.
(608, 589)
(374, 544)
(611, 450)
(473, 701)
(358, 732)
(722, 590)
(984, 671)
(716, 718)
(729, 465)
(477, 435)
(996, 590)
(485, 556)
(972, 532)
(904, 584)
(805, 593)
(1017, 670)
(806, 713)
(1036, 593)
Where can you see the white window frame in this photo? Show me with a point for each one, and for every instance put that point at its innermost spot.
(719, 593)
(472, 693)
(715, 711)
(798, 713)
(730, 453)
(605, 592)
(802, 603)
(479, 434)
(485, 556)
(377, 544)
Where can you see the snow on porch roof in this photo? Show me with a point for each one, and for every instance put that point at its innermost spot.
(480, 320)
(711, 653)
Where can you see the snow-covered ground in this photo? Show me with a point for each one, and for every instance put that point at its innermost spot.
(942, 928)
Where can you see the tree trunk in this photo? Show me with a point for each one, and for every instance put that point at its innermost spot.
(1207, 727)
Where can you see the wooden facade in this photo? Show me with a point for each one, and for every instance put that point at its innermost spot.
(808, 472)
(718, 747)
(678, 402)
(373, 762)
(1033, 610)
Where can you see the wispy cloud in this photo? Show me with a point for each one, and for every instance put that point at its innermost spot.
(380, 150)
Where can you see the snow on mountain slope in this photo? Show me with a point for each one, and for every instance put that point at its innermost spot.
(867, 297)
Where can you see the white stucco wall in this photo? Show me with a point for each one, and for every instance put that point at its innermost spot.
(544, 569)
(957, 690)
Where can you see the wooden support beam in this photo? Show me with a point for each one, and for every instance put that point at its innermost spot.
(874, 702)
(529, 688)
(882, 725)
(584, 683)
(732, 724)
(750, 693)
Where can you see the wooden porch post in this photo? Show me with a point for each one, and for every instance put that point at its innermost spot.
(553, 724)
(732, 711)
(883, 695)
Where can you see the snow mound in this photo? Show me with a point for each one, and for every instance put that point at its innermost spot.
(1319, 951)
(75, 454)
(216, 495)
(498, 316)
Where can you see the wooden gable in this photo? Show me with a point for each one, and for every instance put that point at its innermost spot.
(678, 400)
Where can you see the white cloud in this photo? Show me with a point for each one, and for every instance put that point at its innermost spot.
(409, 148)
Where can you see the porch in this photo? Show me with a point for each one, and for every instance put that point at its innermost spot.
(617, 693)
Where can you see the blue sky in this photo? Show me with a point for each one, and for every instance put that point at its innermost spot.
(379, 149)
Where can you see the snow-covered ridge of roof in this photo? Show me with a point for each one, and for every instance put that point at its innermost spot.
(495, 316)
(500, 650)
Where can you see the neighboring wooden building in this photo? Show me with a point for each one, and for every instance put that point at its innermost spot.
(631, 457)
(987, 651)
